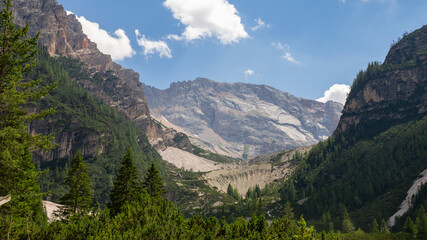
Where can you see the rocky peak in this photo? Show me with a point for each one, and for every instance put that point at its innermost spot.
(62, 35)
(390, 92)
(243, 119)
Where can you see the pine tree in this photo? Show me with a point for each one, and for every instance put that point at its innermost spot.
(126, 184)
(18, 175)
(421, 223)
(409, 226)
(347, 225)
(375, 228)
(384, 228)
(17, 57)
(79, 198)
(288, 211)
(153, 182)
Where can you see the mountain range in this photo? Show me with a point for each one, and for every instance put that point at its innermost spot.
(243, 120)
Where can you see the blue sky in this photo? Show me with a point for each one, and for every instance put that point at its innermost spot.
(298, 46)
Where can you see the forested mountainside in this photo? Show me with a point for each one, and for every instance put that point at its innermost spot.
(84, 122)
(103, 111)
(63, 36)
(243, 120)
(379, 147)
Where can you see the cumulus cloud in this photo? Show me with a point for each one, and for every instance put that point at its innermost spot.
(153, 47)
(248, 73)
(260, 24)
(286, 52)
(207, 18)
(336, 93)
(118, 46)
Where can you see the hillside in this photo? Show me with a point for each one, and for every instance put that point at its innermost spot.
(243, 120)
(116, 86)
(379, 147)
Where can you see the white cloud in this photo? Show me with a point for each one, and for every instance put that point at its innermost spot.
(152, 47)
(207, 18)
(286, 54)
(117, 46)
(260, 24)
(336, 93)
(248, 73)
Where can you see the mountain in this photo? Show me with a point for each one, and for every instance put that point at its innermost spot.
(379, 149)
(116, 86)
(394, 91)
(243, 120)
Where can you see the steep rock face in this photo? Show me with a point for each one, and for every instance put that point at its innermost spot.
(393, 91)
(243, 118)
(79, 138)
(62, 35)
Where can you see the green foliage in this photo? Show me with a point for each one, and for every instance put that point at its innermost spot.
(212, 156)
(288, 211)
(153, 183)
(373, 70)
(421, 223)
(375, 228)
(410, 226)
(84, 117)
(79, 198)
(233, 192)
(18, 175)
(126, 186)
(16, 58)
(365, 175)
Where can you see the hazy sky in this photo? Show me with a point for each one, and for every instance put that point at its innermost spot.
(298, 46)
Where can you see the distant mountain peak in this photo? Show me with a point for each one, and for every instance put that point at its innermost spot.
(244, 119)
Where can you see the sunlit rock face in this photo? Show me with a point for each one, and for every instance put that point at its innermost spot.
(396, 92)
(243, 119)
(62, 35)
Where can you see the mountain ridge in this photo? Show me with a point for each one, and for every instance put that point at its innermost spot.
(116, 86)
(216, 112)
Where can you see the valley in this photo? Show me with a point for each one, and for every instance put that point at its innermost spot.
(201, 159)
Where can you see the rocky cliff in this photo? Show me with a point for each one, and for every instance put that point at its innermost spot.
(118, 87)
(243, 119)
(391, 92)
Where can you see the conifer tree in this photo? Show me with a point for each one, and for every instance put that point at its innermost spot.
(347, 225)
(18, 175)
(375, 228)
(153, 182)
(288, 211)
(409, 226)
(79, 198)
(421, 223)
(17, 57)
(384, 228)
(126, 185)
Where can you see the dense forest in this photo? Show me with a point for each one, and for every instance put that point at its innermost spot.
(366, 169)
(122, 193)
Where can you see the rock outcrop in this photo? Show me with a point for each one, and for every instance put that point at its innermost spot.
(241, 119)
(63, 36)
(390, 92)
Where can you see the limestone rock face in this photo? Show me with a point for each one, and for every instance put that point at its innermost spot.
(396, 92)
(243, 119)
(62, 35)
